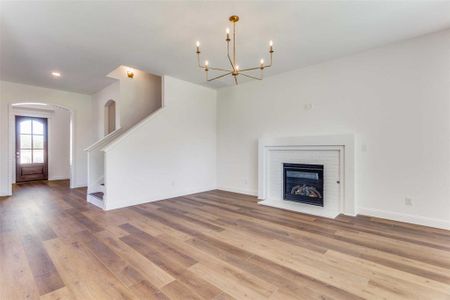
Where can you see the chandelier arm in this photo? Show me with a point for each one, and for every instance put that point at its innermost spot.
(249, 76)
(255, 68)
(263, 67)
(235, 80)
(209, 68)
(220, 76)
(250, 69)
(228, 55)
(198, 62)
(231, 62)
(268, 66)
(219, 69)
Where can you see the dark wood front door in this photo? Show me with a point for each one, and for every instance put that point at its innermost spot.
(31, 149)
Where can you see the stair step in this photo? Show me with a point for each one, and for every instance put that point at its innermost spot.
(98, 195)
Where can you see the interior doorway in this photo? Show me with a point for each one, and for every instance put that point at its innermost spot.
(31, 149)
(59, 144)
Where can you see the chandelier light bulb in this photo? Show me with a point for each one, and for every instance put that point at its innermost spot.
(197, 44)
(228, 30)
(206, 63)
(261, 61)
(271, 43)
(237, 67)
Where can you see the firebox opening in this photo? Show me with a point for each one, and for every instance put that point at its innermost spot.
(303, 183)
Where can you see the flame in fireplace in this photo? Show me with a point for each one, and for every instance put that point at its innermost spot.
(305, 190)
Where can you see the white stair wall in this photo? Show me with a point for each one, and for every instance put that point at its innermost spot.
(136, 99)
(170, 153)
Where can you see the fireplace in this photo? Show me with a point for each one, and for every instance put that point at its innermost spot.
(303, 183)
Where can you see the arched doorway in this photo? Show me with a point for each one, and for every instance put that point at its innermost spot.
(110, 116)
(60, 143)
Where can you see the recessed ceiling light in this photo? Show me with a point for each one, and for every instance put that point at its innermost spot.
(56, 74)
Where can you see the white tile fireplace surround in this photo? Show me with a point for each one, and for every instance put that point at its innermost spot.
(334, 152)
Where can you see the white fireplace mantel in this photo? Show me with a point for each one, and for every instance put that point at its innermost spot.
(344, 144)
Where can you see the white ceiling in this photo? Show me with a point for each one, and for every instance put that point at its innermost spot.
(87, 40)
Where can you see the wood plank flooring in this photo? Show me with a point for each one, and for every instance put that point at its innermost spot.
(213, 245)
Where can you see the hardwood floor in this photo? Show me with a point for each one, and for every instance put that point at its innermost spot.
(214, 245)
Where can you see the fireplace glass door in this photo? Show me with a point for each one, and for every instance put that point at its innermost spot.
(303, 183)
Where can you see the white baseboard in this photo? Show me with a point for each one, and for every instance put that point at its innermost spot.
(58, 178)
(438, 223)
(157, 198)
(238, 190)
(75, 186)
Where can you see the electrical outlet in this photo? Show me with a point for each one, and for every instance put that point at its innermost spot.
(408, 201)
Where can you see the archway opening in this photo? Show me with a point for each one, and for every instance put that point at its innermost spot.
(51, 146)
(110, 116)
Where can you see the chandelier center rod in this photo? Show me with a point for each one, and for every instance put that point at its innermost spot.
(234, 44)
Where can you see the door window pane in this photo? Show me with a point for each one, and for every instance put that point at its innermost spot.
(38, 127)
(25, 156)
(38, 156)
(25, 141)
(38, 142)
(25, 126)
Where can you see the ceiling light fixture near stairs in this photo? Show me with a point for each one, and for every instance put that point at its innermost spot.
(234, 71)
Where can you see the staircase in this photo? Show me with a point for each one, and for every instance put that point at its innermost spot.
(96, 169)
(98, 195)
(168, 153)
(96, 199)
(136, 98)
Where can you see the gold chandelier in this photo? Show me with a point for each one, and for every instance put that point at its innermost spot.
(234, 71)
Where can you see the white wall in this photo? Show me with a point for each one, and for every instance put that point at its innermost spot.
(81, 108)
(395, 99)
(58, 137)
(59, 145)
(171, 153)
(139, 96)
